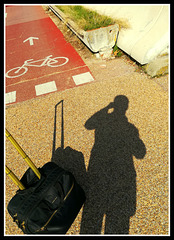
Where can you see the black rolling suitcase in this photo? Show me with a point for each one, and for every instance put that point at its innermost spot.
(48, 200)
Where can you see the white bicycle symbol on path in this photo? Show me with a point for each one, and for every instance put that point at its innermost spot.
(47, 61)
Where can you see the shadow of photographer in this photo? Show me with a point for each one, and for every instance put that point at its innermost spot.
(111, 176)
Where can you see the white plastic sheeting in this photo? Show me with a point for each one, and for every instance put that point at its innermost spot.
(148, 32)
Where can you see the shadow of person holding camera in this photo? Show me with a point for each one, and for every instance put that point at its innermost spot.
(111, 176)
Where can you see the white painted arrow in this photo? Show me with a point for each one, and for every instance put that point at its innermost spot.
(30, 39)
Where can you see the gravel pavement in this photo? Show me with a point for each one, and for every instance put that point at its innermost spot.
(32, 125)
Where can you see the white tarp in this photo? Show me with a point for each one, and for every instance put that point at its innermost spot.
(148, 32)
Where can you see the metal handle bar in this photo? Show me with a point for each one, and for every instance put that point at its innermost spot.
(14, 178)
(23, 154)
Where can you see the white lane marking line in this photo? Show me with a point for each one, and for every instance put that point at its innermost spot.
(83, 78)
(10, 97)
(45, 88)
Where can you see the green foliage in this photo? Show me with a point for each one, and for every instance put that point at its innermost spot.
(117, 52)
(85, 19)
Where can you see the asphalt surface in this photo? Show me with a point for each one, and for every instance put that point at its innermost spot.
(124, 165)
(38, 58)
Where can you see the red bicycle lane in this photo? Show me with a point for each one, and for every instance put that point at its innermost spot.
(38, 58)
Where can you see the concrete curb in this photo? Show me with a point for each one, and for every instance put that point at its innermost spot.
(102, 40)
(98, 40)
(148, 32)
(147, 38)
(157, 67)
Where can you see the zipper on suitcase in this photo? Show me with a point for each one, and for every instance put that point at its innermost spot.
(52, 215)
(22, 225)
(44, 226)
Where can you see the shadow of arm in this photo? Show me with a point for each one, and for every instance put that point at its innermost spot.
(140, 150)
(95, 120)
(137, 145)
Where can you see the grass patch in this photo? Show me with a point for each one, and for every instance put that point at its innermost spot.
(85, 18)
(117, 52)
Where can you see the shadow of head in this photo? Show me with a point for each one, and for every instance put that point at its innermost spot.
(119, 105)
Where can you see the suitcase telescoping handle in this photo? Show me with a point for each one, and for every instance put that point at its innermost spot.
(25, 157)
(62, 129)
(14, 178)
